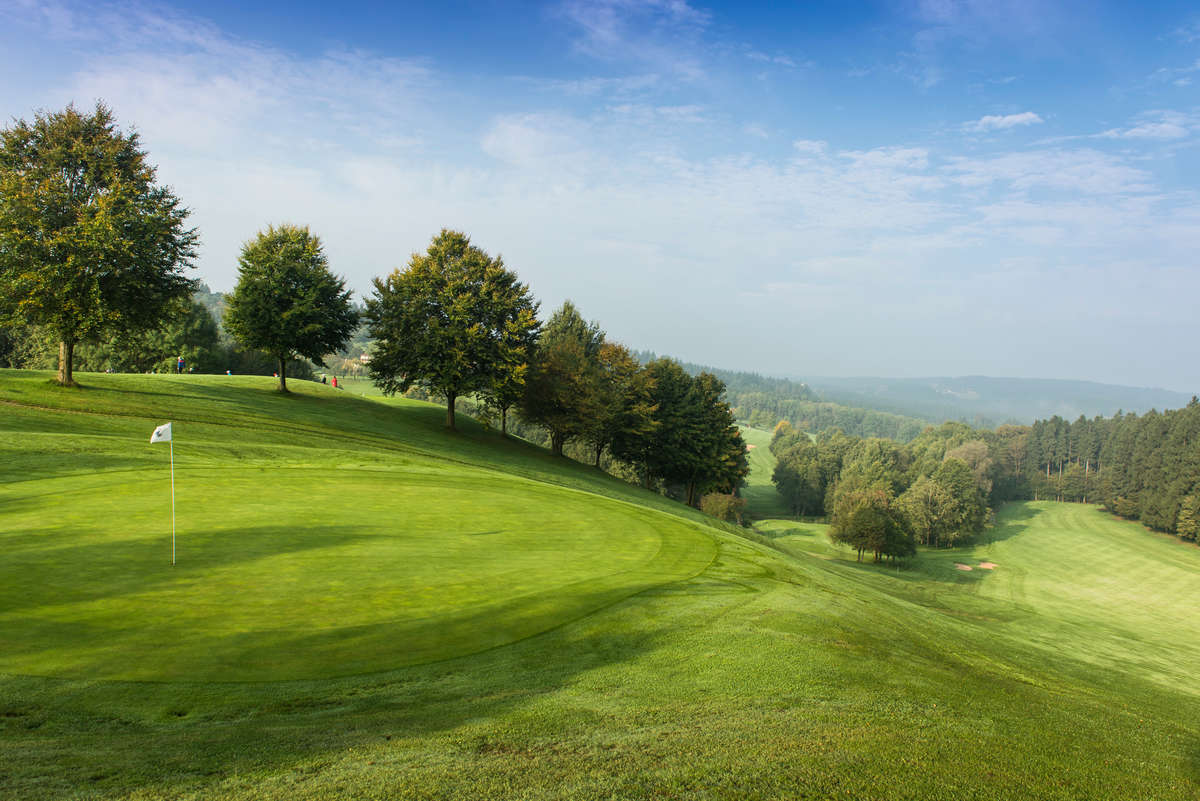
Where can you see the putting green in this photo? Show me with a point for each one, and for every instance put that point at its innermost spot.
(307, 573)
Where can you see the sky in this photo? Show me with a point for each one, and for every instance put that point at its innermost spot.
(929, 188)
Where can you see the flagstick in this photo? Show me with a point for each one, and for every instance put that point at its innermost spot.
(172, 500)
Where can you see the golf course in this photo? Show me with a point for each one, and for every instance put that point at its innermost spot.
(366, 605)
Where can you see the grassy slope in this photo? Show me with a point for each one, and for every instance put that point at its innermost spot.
(299, 559)
(763, 676)
(762, 501)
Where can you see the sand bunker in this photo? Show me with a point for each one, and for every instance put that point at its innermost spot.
(961, 566)
(749, 447)
(987, 565)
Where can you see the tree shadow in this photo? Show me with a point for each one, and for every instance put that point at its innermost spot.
(1011, 519)
(164, 738)
(1191, 761)
(59, 574)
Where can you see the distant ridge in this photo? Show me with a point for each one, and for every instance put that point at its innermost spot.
(989, 401)
(900, 407)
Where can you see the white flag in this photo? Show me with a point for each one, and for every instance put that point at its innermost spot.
(161, 434)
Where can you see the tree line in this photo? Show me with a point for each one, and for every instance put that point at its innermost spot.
(1143, 468)
(192, 330)
(94, 254)
(455, 322)
(882, 496)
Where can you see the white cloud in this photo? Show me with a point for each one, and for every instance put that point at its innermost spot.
(532, 139)
(1081, 171)
(1002, 122)
(810, 147)
(1156, 125)
(1147, 130)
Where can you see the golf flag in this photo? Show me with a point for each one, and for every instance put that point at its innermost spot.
(163, 434)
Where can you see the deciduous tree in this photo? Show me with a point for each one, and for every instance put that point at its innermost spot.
(563, 392)
(89, 243)
(624, 404)
(287, 302)
(452, 322)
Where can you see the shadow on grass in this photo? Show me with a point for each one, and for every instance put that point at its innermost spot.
(1191, 761)
(165, 739)
(56, 574)
(1011, 519)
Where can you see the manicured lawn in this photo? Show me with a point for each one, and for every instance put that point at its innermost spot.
(369, 607)
(762, 500)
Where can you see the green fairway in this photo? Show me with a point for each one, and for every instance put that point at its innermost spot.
(332, 574)
(293, 570)
(762, 500)
(369, 607)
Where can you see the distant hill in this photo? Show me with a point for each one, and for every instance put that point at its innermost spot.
(763, 401)
(990, 401)
(899, 408)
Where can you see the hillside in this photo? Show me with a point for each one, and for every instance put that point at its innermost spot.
(366, 606)
(991, 401)
(764, 401)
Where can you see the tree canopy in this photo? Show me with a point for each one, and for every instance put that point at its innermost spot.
(89, 243)
(287, 302)
(454, 322)
(564, 380)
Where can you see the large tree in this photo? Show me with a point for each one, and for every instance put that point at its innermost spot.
(454, 321)
(287, 303)
(89, 243)
(867, 520)
(693, 442)
(624, 406)
(563, 393)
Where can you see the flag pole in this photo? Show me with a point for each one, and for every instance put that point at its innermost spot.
(172, 501)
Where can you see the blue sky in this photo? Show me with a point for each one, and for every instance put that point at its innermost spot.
(944, 187)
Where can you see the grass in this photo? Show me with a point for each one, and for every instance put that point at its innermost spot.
(762, 501)
(731, 671)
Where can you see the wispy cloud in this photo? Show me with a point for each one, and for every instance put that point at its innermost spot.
(1002, 122)
(944, 26)
(660, 33)
(1188, 33)
(1178, 76)
(1155, 125)
(778, 59)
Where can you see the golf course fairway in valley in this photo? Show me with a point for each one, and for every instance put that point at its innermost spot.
(366, 606)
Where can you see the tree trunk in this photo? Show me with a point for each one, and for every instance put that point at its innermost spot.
(282, 374)
(599, 453)
(691, 493)
(451, 397)
(557, 441)
(66, 358)
(504, 422)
